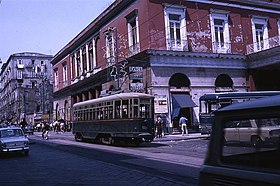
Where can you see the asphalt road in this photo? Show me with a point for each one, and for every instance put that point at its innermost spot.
(63, 161)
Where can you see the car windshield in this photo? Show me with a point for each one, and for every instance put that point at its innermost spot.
(10, 133)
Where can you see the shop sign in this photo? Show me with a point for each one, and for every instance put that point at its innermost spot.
(161, 104)
(135, 69)
(136, 76)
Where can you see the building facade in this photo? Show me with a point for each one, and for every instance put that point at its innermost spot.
(172, 49)
(26, 88)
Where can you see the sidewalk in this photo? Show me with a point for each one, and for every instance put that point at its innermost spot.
(168, 137)
(179, 137)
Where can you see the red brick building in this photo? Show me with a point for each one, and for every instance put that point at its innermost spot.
(171, 48)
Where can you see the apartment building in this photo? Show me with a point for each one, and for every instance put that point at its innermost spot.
(26, 88)
(175, 50)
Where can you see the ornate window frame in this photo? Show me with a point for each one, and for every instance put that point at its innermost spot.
(225, 45)
(181, 43)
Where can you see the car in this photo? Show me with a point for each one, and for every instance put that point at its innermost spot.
(253, 131)
(13, 139)
(229, 161)
(28, 129)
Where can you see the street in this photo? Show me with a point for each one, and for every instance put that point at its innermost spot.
(63, 161)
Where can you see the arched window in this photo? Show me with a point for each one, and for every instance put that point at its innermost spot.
(223, 83)
(179, 80)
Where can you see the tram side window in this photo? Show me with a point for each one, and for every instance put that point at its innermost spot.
(93, 113)
(125, 109)
(110, 112)
(130, 108)
(85, 113)
(75, 116)
(117, 109)
(105, 112)
(135, 108)
(144, 110)
(90, 114)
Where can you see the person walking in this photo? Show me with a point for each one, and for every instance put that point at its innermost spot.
(183, 123)
(159, 125)
(45, 132)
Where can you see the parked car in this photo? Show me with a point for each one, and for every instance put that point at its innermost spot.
(229, 163)
(254, 131)
(13, 139)
(29, 129)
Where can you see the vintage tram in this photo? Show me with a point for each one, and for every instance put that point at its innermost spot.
(123, 117)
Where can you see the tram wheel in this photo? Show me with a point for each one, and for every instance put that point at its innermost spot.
(78, 137)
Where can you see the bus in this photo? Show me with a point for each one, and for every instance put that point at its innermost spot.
(124, 118)
(209, 103)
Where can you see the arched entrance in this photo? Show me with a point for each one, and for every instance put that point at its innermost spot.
(181, 101)
(223, 83)
(66, 111)
(57, 115)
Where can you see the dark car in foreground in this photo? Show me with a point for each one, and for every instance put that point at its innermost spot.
(244, 148)
(13, 139)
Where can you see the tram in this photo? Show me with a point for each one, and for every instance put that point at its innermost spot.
(119, 118)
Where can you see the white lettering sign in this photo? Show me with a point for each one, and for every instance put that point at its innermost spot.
(135, 69)
(136, 86)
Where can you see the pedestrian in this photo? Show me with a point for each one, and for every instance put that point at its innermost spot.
(159, 125)
(23, 124)
(183, 123)
(45, 131)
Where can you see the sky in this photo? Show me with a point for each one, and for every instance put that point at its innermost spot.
(44, 26)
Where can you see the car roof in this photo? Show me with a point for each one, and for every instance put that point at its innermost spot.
(12, 127)
(271, 101)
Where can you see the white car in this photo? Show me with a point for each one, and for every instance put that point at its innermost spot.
(253, 131)
(13, 139)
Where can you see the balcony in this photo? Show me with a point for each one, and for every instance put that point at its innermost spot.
(178, 45)
(219, 47)
(134, 49)
(263, 45)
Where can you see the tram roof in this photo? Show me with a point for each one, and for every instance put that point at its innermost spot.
(228, 95)
(119, 96)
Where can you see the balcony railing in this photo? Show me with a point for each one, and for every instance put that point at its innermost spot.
(263, 45)
(134, 49)
(179, 45)
(219, 47)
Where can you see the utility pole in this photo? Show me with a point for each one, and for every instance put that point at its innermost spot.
(117, 62)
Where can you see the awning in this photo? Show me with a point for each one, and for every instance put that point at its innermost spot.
(182, 101)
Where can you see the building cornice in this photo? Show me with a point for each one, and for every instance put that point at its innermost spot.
(254, 5)
(194, 54)
(196, 60)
